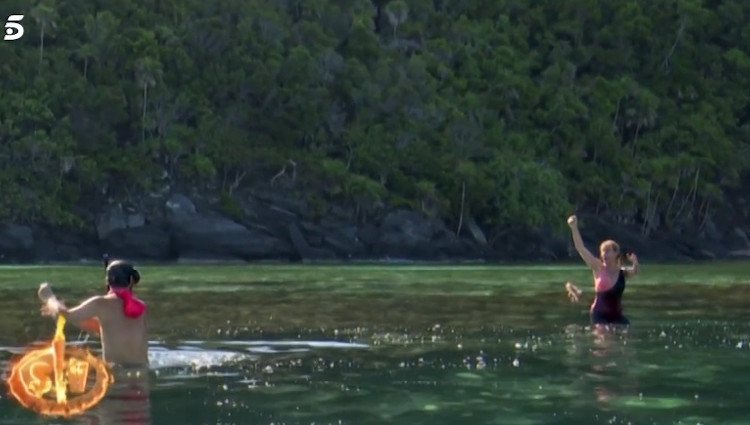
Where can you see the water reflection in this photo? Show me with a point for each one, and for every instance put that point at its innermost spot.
(605, 356)
(128, 400)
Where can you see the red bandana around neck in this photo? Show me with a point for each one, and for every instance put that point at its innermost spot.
(132, 306)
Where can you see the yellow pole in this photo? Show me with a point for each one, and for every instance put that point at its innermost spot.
(58, 349)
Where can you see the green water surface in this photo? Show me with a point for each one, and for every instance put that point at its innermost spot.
(371, 344)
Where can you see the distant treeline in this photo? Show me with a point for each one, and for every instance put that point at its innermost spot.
(513, 113)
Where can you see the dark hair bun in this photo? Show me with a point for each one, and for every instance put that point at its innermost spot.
(121, 274)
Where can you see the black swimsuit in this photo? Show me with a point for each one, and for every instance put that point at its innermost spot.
(607, 307)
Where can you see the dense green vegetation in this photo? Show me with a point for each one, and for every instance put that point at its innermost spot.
(510, 111)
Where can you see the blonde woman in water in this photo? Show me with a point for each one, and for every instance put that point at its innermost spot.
(609, 278)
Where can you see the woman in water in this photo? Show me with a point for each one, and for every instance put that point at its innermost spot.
(118, 316)
(609, 278)
(120, 320)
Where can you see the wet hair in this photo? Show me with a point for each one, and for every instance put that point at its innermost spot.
(121, 274)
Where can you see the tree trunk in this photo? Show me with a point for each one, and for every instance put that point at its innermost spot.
(687, 199)
(238, 177)
(705, 217)
(279, 174)
(635, 140)
(695, 189)
(665, 62)
(41, 48)
(674, 195)
(349, 156)
(143, 120)
(617, 115)
(461, 215)
(294, 170)
(647, 212)
(654, 212)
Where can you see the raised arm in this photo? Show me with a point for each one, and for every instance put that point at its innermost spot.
(84, 315)
(587, 256)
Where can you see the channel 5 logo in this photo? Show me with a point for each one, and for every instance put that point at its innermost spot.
(13, 29)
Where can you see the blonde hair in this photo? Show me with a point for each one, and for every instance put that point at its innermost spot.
(610, 244)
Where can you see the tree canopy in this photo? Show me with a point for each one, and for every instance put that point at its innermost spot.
(515, 113)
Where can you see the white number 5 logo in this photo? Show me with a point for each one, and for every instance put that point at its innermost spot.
(13, 30)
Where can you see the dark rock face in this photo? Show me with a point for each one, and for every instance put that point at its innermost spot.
(344, 242)
(738, 240)
(16, 243)
(180, 205)
(218, 238)
(210, 236)
(144, 242)
(273, 225)
(109, 221)
(738, 243)
(64, 245)
(404, 234)
(304, 250)
(368, 235)
(123, 234)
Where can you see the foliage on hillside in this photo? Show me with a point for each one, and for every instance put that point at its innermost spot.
(512, 112)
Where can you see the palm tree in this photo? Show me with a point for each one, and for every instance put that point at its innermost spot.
(397, 12)
(45, 14)
(86, 52)
(99, 29)
(147, 72)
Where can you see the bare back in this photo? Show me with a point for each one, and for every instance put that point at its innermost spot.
(124, 340)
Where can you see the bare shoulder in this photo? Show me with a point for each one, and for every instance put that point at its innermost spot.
(106, 305)
(90, 307)
(109, 299)
(95, 300)
(106, 300)
(98, 304)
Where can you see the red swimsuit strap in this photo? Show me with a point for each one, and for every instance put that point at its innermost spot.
(132, 306)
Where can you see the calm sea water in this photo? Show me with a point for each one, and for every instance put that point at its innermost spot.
(412, 345)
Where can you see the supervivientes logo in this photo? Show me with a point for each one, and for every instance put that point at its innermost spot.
(13, 28)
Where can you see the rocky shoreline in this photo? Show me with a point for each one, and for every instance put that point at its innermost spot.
(279, 227)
